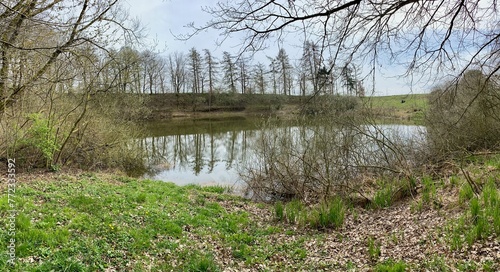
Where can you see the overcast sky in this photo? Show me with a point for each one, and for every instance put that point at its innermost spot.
(163, 18)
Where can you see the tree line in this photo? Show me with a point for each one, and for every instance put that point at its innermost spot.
(199, 71)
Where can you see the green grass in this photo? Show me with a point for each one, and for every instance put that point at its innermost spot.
(412, 101)
(390, 266)
(373, 249)
(329, 214)
(413, 108)
(383, 196)
(98, 222)
(480, 220)
(429, 197)
(326, 215)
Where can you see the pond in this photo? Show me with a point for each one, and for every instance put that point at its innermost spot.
(210, 151)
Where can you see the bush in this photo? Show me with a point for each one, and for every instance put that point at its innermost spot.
(464, 116)
(39, 142)
(327, 156)
(87, 132)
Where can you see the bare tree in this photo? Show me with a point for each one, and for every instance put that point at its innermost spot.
(243, 77)
(273, 70)
(46, 30)
(152, 69)
(177, 71)
(310, 65)
(432, 39)
(212, 70)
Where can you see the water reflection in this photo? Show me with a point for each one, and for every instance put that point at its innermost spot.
(208, 152)
(198, 151)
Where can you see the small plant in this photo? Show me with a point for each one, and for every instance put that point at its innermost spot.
(428, 196)
(279, 211)
(383, 197)
(373, 249)
(202, 263)
(428, 191)
(328, 215)
(466, 193)
(42, 136)
(436, 264)
(481, 219)
(219, 189)
(390, 266)
(293, 211)
(141, 198)
(475, 210)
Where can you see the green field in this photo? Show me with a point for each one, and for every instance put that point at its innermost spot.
(414, 106)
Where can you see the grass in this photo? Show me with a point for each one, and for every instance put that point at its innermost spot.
(429, 197)
(383, 196)
(326, 215)
(99, 222)
(413, 108)
(412, 101)
(373, 249)
(481, 218)
(92, 223)
(390, 266)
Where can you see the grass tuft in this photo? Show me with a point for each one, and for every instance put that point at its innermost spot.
(373, 249)
(384, 196)
(391, 266)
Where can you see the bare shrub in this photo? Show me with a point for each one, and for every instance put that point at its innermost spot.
(72, 130)
(328, 156)
(465, 116)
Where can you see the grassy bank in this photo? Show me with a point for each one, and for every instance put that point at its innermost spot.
(104, 222)
(399, 107)
(223, 105)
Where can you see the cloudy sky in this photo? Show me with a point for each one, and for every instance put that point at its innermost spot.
(165, 18)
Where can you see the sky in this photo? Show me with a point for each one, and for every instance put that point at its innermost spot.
(163, 19)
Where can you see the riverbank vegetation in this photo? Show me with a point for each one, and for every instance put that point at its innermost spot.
(85, 221)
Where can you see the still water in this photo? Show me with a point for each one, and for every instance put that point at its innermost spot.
(204, 152)
(210, 151)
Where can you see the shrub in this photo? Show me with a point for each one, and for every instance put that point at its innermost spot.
(326, 156)
(464, 115)
(41, 137)
(82, 131)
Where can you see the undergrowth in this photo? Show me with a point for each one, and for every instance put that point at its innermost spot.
(325, 215)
